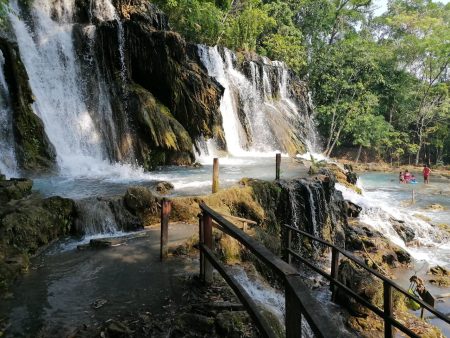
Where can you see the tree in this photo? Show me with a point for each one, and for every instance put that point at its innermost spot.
(420, 30)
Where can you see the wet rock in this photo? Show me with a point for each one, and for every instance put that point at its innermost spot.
(405, 232)
(362, 283)
(443, 281)
(98, 303)
(353, 209)
(172, 100)
(34, 152)
(352, 178)
(231, 324)
(116, 329)
(439, 271)
(195, 322)
(164, 187)
(403, 256)
(436, 207)
(14, 189)
(138, 199)
(28, 225)
(100, 243)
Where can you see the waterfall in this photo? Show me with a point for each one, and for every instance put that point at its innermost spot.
(7, 153)
(96, 217)
(233, 130)
(258, 113)
(47, 51)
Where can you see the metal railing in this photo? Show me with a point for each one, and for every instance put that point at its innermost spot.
(299, 300)
(388, 285)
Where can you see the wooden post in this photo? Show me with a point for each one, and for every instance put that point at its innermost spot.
(201, 240)
(208, 241)
(277, 166)
(288, 246)
(215, 182)
(387, 292)
(293, 317)
(334, 271)
(166, 207)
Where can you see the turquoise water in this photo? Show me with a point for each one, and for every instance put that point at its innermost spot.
(386, 186)
(187, 180)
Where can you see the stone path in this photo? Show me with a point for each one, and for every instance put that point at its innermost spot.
(66, 290)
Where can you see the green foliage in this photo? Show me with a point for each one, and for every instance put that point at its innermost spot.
(197, 20)
(244, 30)
(379, 83)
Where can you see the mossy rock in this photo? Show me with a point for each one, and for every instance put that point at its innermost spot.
(14, 189)
(34, 152)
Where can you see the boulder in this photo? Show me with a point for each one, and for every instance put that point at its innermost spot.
(164, 187)
(439, 271)
(353, 209)
(362, 283)
(352, 178)
(14, 189)
(405, 232)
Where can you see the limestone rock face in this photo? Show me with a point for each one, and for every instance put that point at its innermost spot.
(161, 91)
(34, 151)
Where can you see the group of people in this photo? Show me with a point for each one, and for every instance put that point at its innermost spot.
(407, 177)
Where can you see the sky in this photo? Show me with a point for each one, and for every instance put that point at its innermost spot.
(382, 5)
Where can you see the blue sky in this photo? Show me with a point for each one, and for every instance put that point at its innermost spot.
(381, 5)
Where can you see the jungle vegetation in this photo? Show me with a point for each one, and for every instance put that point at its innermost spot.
(379, 83)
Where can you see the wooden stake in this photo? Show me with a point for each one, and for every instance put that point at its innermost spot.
(166, 207)
(215, 182)
(277, 166)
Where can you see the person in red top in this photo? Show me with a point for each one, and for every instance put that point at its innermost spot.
(407, 176)
(426, 174)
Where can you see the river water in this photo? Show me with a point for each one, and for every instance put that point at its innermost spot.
(186, 180)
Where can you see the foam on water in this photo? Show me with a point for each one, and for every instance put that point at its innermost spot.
(378, 211)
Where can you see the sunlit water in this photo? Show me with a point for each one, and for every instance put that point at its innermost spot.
(186, 180)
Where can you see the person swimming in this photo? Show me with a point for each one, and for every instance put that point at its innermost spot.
(401, 177)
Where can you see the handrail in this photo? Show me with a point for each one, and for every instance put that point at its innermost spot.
(240, 219)
(374, 272)
(299, 302)
(386, 313)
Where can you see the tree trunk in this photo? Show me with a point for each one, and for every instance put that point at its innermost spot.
(418, 152)
(358, 154)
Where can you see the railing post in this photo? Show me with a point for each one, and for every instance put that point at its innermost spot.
(215, 182)
(387, 292)
(277, 166)
(201, 240)
(293, 313)
(208, 241)
(288, 246)
(334, 271)
(166, 207)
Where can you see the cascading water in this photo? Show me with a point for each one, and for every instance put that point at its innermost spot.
(258, 113)
(48, 54)
(83, 133)
(96, 217)
(7, 153)
(379, 212)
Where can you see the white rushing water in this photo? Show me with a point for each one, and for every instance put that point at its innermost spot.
(8, 165)
(48, 54)
(380, 208)
(259, 118)
(78, 133)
